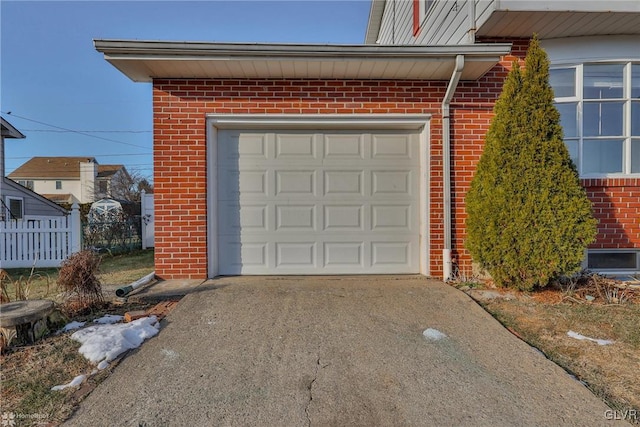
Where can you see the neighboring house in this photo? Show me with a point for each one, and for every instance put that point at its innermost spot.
(343, 159)
(17, 202)
(69, 179)
(108, 179)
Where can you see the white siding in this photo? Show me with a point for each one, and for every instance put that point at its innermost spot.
(33, 206)
(446, 23)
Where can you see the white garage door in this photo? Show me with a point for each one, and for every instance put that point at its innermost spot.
(310, 202)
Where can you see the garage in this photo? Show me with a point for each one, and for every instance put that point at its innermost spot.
(316, 201)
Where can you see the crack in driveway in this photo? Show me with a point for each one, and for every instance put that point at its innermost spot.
(310, 387)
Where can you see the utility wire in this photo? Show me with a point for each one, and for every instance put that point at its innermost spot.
(96, 155)
(9, 113)
(86, 131)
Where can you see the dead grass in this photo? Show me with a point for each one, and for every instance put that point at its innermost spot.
(543, 319)
(28, 372)
(114, 270)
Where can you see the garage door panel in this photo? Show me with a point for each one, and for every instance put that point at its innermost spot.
(246, 182)
(240, 257)
(245, 145)
(296, 217)
(391, 218)
(344, 182)
(390, 253)
(344, 147)
(344, 218)
(344, 254)
(392, 183)
(298, 147)
(296, 255)
(252, 182)
(295, 182)
(314, 203)
(392, 147)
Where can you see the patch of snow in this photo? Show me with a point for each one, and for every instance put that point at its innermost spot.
(582, 337)
(71, 326)
(433, 334)
(74, 382)
(109, 319)
(103, 365)
(106, 342)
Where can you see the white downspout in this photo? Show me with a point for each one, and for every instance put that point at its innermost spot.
(446, 165)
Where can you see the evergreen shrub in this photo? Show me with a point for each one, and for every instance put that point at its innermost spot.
(528, 218)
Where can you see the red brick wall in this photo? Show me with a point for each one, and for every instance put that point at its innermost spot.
(180, 107)
(472, 111)
(616, 205)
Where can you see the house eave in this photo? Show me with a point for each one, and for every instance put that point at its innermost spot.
(144, 61)
(8, 131)
(8, 182)
(554, 23)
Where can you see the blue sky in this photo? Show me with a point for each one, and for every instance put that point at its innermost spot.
(50, 73)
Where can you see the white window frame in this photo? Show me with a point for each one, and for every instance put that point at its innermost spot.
(58, 184)
(9, 216)
(626, 114)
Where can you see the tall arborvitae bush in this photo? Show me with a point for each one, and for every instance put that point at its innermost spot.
(528, 218)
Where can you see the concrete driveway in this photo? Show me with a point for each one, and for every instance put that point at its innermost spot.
(335, 351)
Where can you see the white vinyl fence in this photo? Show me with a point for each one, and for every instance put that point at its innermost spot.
(148, 236)
(40, 241)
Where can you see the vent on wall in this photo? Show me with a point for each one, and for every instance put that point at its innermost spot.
(618, 260)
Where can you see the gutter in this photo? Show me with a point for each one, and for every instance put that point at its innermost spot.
(446, 165)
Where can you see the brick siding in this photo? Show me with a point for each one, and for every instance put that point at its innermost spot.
(180, 107)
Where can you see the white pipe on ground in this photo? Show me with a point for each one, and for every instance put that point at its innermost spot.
(125, 290)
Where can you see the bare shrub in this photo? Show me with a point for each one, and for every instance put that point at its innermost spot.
(77, 278)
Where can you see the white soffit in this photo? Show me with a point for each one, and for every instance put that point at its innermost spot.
(143, 61)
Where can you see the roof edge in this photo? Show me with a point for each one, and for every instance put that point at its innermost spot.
(38, 196)
(276, 51)
(12, 132)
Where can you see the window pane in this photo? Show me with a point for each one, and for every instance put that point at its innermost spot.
(15, 207)
(603, 81)
(635, 81)
(572, 146)
(602, 118)
(602, 156)
(635, 118)
(563, 82)
(569, 118)
(635, 156)
(611, 260)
